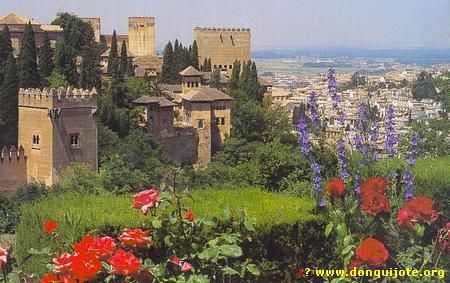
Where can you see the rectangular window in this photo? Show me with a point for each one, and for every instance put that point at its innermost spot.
(36, 141)
(200, 124)
(222, 121)
(164, 119)
(74, 140)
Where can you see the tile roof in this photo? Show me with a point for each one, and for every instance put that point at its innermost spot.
(190, 71)
(146, 99)
(172, 88)
(205, 94)
(15, 19)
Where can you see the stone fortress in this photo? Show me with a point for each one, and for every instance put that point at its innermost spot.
(56, 127)
(223, 46)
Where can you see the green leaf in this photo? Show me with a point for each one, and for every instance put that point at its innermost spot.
(347, 240)
(226, 213)
(230, 250)
(346, 250)
(328, 229)
(253, 269)
(249, 225)
(419, 229)
(167, 241)
(198, 279)
(209, 253)
(229, 271)
(156, 223)
(341, 229)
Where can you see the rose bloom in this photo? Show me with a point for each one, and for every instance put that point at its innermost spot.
(145, 200)
(186, 267)
(419, 209)
(101, 247)
(189, 215)
(336, 188)
(134, 238)
(124, 263)
(50, 226)
(3, 257)
(85, 266)
(371, 252)
(175, 260)
(49, 278)
(374, 185)
(63, 264)
(375, 203)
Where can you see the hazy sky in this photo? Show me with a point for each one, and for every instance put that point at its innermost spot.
(276, 23)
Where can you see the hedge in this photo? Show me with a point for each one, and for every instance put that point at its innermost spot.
(287, 229)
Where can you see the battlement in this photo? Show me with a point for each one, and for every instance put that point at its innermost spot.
(12, 154)
(206, 29)
(57, 98)
(149, 20)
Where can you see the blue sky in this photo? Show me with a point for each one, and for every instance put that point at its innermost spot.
(274, 24)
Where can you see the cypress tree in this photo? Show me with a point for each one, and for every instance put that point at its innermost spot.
(113, 58)
(205, 65)
(243, 82)
(27, 63)
(254, 88)
(123, 59)
(90, 69)
(194, 55)
(234, 79)
(130, 68)
(45, 58)
(5, 49)
(215, 78)
(209, 65)
(168, 63)
(65, 61)
(9, 103)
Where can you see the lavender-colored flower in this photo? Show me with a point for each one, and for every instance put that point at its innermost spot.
(313, 109)
(323, 203)
(357, 180)
(303, 137)
(316, 177)
(359, 143)
(412, 153)
(362, 123)
(408, 181)
(393, 175)
(332, 85)
(374, 135)
(341, 159)
(391, 138)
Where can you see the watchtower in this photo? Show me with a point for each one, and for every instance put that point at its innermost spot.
(141, 36)
(191, 78)
(57, 127)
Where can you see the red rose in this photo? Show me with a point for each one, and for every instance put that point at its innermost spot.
(186, 267)
(85, 266)
(336, 188)
(49, 278)
(145, 200)
(419, 209)
(63, 264)
(50, 226)
(101, 247)
(3, 257)
(124, 263)
(175, 260)
(375, 203)
(372, 253)
(134, 238)
(374, 185)
(67, 279)
(189, 215)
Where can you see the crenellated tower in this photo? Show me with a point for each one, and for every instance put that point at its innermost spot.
(141, 36)
(57, 127)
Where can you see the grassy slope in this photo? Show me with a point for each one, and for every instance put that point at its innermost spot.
(113, 213)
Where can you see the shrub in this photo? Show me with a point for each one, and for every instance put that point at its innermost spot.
(30, 192)
(78, 177)
(8, 215)
(285, 227)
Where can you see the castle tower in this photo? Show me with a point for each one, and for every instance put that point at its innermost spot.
(95, 24)
(141, 36)
(57, 127)
(223, 46)
(191, 78)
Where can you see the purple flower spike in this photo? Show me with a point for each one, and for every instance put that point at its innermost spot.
(391, 138)
(408, 181)
(412, 153)
(303, 137)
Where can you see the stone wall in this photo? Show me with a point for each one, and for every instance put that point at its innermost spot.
(13, 169)
(141, 36)
(180, 145)
(223, 45)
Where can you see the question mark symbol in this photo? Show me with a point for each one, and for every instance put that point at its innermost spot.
(307, 271)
